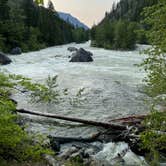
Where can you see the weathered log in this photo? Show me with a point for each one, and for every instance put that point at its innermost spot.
(87, 122)
(133, 119)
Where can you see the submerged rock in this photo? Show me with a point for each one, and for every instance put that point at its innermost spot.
(82, 55)
(72, 49)
(118, 153)
(57, 56)
(4, 60)
(68, 152)
(52, 161)
(55, 145)
(16, 51)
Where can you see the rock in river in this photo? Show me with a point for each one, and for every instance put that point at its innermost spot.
(82, 55)
(72, 49)
(4, 60)
(16, 51)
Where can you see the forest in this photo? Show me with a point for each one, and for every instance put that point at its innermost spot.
(122, 28)
(31, 27)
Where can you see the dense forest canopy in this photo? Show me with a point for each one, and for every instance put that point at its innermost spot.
(25, 24)
(119, 29)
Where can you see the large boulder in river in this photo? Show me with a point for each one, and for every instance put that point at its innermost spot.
(82, 55)
(16, 51)
(72, 49)
(4, 60)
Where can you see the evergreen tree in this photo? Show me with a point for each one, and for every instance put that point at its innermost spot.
(4, 10)
(30, 26)
(118, 29)
(51, 6)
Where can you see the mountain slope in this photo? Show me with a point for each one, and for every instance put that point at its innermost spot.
(31, 27)
(129, 9)
(119, 29)
(72, 20)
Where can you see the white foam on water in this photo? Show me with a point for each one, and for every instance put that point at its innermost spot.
(118, 153)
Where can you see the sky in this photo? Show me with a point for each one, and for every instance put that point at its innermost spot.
(88, 11)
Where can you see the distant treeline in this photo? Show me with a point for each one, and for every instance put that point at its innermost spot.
(121, 28)
(29, 26)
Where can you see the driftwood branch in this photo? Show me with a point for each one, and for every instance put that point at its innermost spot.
(87, 122)
(130, 120)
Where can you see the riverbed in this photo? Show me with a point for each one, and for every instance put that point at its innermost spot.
(113, 87)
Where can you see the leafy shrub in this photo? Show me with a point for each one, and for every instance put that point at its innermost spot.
(15, 143)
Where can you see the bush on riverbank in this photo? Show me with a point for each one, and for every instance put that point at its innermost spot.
(15, 143)
(118, 35)
(154, 138)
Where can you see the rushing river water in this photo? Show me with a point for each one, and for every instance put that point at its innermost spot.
(113, 85)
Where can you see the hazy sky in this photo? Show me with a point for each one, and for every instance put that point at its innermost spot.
(88, 11)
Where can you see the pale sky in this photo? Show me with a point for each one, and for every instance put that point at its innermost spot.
(87, 11)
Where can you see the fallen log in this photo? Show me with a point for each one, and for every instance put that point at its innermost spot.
(87, 122)
(132, 119)
(114, 132)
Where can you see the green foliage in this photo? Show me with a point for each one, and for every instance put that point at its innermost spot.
(125, 37)
(31, 27)
(154, 137)
(155, 125)
(4, 10)
(80, 35)
(116, 35)
(78, 99)
(15, 143)
(39, 1)
(48, 93)
(51, 93)
(155, 64)
(119, 29)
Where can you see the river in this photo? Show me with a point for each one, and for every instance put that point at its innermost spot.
(113, 86)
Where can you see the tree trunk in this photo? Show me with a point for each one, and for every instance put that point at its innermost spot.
(87, 122)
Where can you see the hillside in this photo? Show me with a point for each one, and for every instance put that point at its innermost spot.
(129, 10)
(119, 28)
(72, 20)
(31, 27)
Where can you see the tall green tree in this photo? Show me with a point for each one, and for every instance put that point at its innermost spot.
(155, 64)
(154, 138)
(4, 10)
(51, 6)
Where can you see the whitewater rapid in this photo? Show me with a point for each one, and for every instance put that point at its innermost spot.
(113, 86)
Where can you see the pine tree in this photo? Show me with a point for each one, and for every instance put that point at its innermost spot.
(51, 6)
(4, 10)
